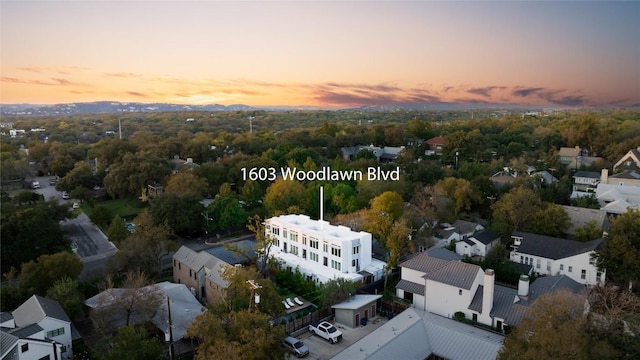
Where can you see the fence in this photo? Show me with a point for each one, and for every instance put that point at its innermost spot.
(295, 324)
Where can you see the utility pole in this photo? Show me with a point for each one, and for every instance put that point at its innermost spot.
(170, 330)
(255, 298)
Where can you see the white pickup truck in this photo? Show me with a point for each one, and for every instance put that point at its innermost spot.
(327, 331)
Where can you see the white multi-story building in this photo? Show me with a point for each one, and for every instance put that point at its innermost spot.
(323, 251)
(554, 256)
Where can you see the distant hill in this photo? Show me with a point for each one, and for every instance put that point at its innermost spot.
(129, 107)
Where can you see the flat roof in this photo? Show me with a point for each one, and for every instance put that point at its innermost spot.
(356, 302)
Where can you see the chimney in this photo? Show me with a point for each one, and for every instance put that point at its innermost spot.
(604, 176)
(487, 292)
(523, 286)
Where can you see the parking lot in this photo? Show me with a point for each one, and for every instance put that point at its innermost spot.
(321, 349)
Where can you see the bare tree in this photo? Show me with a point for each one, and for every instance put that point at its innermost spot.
(264, 242)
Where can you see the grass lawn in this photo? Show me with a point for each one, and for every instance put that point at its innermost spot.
(125, 208)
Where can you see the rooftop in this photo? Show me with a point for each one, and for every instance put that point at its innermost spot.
(356, 302)
(553, 248)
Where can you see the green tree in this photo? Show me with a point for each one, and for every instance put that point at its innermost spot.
(554, 329)
(620, 253)
(143, 250)
(337, 290)
(243, 334)
(100, 215)
(590, 231)
(134, 172)
(65, 291)
(515, 210)
(80, 176)
(227, 212)
(37, 276)
(117, 231)
(29, 233)
(187, 184)
(182, 214)
(390, 203)
(131, 342)
(552, 221)
(283, 195)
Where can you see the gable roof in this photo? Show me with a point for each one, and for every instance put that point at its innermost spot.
(191, 259)
(455, 273)
(569, 151)
(513, 308)
(7, 342)
(214, 268)
(579, 217)
(633, 156)
(424, 263)
(438, 140)
(553, 248)
(486, 236)
(25, 332)
(37, 308)
(5, 316)
(416, 334)
(587, 174)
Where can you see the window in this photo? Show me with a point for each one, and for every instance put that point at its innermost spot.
(356, 249)
(335, 251)
(521, 259)
(304, 253)
(313, 256)
(313, 243)
(561, 267)
(46, 357)
(598, 276)
(174, 263)
(55, 332)
(335, 265)
(275, 231)
(408, 296)
(179, 266)
(583, 275)
(293, 236)
(548, 266)
(285, 233)
(570, 268)
(460, 292)
(294, 250)
(304, 239)
(537, 263)
(24, 347)
(326, 261)
(474, 317)
(325, 247)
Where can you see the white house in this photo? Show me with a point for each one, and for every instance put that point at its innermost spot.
(459, 230)
(585, 182)
(28, 343)
(446, 287)
(40, 320)
(629, 161)
(477, 244)
(554, 256)
(323, 251)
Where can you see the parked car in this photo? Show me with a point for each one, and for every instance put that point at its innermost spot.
(35, 184)
(53, 181)
(296, 346)
(65, 195)
(76, 205)
(327, 331)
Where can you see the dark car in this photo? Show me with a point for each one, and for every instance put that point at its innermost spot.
(296, 346)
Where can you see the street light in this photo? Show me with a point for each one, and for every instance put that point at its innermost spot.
(208, 218)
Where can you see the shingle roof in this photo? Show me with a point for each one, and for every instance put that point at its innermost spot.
(587, 174)
(455, 273)
(547, 284)
(37, 308)
(486, 236)
(579, 217)
(553, 248)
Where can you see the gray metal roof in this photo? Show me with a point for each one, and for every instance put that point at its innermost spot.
(553, 248)
(7, 342)
(455, 273)
(579, 217)
(410, 287)
(587, 174)
(424, 263)
(486, 236)
(190, 258)
(231, 257)
(215, 267)
(443, 254)
(37, 308)
(5, 316)
(25, 332)
(415, 334)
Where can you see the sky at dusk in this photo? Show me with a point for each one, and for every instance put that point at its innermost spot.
(327, 54)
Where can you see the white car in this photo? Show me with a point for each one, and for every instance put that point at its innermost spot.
(76, 205)
(35, 185)
(65, 195)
